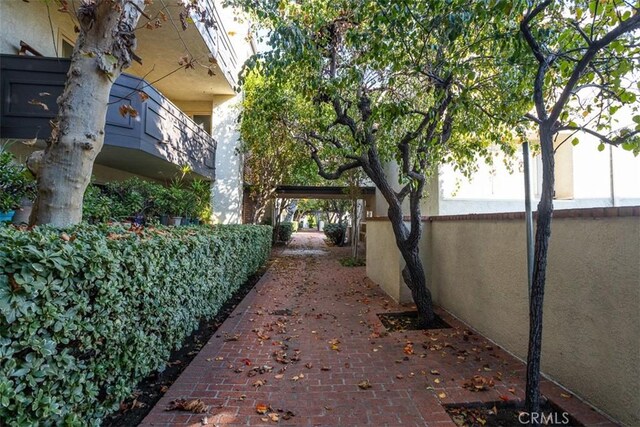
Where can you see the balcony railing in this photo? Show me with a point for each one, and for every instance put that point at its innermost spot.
(218, 41)
(161, 129)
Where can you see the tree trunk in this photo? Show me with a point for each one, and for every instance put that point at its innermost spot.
(413, 272)
(291, 210)
(414, 276)
(63, 171)
(258, 214)
(536, 298)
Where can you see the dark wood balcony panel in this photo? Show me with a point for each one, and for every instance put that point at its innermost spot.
(160, 129)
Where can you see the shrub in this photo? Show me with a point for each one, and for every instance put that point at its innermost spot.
(353, 262)
(16, 181)
(335, 233)
(134, 197)
(284, 231)
(88, 312)
(96, 206)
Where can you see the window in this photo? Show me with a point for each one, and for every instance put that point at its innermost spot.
(204, 121)
(65, 45)
(67, 49)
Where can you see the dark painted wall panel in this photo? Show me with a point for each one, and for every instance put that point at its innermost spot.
(160, 129)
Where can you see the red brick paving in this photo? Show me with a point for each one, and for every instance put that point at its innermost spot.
(325, 315)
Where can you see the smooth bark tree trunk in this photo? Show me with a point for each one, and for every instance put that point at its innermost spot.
(536, 299)
(291, 210)
(64, 169)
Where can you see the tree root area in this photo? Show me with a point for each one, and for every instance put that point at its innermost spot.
(408, 321)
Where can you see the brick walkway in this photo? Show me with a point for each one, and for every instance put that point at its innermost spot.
(320, 317)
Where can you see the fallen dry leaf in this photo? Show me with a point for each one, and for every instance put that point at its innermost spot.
(228, 337)
(435, 372)
(566, 396)
(364, 385)
(39, 104)
(288, 415)
(196, 406)
(261, 408)
(273, 417)
(442, 395)
(478, 383)
(137, 404)
(408, 348)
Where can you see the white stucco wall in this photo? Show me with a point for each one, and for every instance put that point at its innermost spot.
(227, 187)
(581, 170)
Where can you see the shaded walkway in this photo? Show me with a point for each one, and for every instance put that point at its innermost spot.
(308, 335)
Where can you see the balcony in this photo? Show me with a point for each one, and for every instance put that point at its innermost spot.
(153, 144)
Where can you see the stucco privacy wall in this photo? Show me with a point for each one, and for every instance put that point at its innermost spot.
(477, 271)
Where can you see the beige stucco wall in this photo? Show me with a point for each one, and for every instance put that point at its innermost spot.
(29, 22)
(384, 266)
(384, 262)
(477, 271)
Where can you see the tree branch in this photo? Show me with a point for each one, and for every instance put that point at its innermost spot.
(620, 139)
(356, 163)
(526, 30)
(630, 24)
(584, 35)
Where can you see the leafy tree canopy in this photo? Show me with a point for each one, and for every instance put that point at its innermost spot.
(427, 70)
(586, 58)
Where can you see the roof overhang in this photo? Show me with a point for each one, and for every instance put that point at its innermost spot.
(321, 192)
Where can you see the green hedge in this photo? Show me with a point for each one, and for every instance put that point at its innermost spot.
(87, 313)
(284, 231)
(335, 233)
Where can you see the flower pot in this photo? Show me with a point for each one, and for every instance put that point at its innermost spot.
(164, 219)
(6, 216)
(175, 220)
